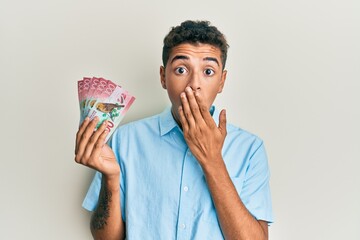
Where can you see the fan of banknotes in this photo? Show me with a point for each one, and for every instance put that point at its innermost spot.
(106, 100)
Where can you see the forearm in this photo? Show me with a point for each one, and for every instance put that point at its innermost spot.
(235, 220)
(106, 221)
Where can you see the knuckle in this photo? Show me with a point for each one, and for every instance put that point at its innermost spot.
(98, 144)
(79, 159)
(193, 133)
(90, 161)
(85, 135)
(186, 134)
(92, 140)
(81, 127)
(203, 109)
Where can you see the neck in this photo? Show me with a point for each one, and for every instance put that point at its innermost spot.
(175, 116)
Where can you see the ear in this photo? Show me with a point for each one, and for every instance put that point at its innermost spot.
(222, 81)
(162, 77)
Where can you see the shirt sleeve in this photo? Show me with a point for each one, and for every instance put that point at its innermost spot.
(255, 193)
(92, 196)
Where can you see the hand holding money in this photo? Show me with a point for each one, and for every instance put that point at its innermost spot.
(103, 105)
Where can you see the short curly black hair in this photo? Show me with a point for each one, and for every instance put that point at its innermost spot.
(194, 32)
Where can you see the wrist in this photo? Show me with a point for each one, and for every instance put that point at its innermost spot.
(213, 166)
(111, 182)
(217, 176)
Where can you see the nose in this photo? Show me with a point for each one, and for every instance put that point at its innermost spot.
(194, 81)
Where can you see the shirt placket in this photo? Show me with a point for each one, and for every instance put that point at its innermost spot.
(184, 217)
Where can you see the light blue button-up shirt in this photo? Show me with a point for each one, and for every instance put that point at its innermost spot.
(164, 194)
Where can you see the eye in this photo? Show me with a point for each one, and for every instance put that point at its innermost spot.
(180, 70)
(209, 72)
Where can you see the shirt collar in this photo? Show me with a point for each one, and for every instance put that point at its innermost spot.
(168, 123)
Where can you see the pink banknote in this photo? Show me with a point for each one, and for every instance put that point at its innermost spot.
(104, 99)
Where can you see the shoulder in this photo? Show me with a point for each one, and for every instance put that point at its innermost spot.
(241, 137)
(242, 133)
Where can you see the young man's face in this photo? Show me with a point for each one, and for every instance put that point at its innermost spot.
(197, 66)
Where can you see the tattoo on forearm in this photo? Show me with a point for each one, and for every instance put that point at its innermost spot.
(99, 219)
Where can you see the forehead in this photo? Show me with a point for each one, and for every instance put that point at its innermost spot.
(198, 50)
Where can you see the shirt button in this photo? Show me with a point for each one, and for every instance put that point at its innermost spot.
(186, 188)
(183, 226)
(189, 153)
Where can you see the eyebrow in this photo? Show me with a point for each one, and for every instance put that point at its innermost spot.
(212, 59)
(178, 57)
(182, 57)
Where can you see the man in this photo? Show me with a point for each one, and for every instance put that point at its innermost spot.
(185, 173)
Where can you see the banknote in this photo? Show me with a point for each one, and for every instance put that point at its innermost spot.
(93, 86)
(104, 99)
(82, 92)
(83, 89)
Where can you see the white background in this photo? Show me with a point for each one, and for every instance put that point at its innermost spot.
(293, 79)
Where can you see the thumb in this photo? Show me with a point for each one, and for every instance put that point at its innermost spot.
(222, 122)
